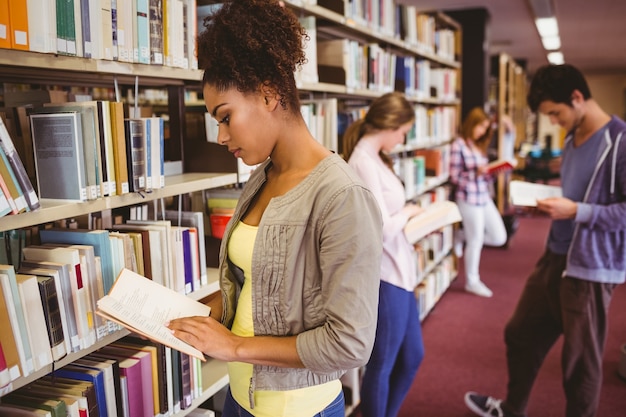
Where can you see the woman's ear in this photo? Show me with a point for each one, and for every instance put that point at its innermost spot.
(270, 96)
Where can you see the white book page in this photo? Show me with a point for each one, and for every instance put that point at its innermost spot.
(527, 193)
(144, 306)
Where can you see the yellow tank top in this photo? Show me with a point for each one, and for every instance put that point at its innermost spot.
(302, 402)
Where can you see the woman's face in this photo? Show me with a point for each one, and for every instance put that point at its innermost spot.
(244, 123)
(396, 137)
(480, 129)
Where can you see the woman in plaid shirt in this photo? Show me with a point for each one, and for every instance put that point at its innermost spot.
(482, 223)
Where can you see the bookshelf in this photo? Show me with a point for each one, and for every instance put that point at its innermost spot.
(507, 98)
(432, 84)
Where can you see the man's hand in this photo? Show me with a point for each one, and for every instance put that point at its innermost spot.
(558, 208)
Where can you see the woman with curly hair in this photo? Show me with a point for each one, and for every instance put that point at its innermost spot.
(299, 261)
(482, 222)
(398, 347)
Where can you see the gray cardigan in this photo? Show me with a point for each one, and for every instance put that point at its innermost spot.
(598, 249)
(316, 269)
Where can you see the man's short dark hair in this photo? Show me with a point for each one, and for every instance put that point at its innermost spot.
(556, 83)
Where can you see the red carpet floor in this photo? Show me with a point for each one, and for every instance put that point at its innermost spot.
(465, 348)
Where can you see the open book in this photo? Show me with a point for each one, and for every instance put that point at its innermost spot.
(144, 306)
(501, 165)
(434, 217)
(524, 193)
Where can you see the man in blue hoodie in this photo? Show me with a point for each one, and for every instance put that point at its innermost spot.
(570, 289)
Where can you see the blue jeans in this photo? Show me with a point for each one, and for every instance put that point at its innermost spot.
(398, 353)
(337, 408)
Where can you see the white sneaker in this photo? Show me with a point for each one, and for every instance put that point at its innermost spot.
(479, 288)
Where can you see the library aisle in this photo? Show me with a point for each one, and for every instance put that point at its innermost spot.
(465, 347)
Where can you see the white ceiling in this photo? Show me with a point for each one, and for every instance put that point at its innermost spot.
(593, 32)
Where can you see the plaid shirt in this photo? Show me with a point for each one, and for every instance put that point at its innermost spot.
(464, 162)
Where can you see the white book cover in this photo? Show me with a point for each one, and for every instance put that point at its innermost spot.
(35, 320)
(42, 25)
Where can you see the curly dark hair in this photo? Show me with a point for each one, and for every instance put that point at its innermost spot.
(247, 43)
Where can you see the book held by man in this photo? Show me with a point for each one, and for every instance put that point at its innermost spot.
(144, 306)
(526, 194)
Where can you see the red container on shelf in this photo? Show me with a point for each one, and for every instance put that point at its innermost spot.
(218, 224)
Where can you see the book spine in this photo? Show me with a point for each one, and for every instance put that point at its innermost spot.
(18, 168)
(143, 31)
(86, 28)
(156, 32)
(115, 35)
(52, 315)
(71, 27)
(18, 15)
(5, 22)
(135, 155)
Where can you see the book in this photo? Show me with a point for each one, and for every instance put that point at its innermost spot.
(143, 306)
(501, 165)
(18, 15)
(79, 288)
(85, 26)
(52, 315)
(5, 375)
(69, 335)
(75, 387)
(119, 147)
(115, 367)
(62, 391)
(11, 355)
(59, 155)
(135, 154)
(148, 373)
(526, 194)
(42, 29)
(89, 123)
(159, 369)
(131, 380)
(62, 271)
(35, 320)
(100, 241)
(89, 274)
(156, 32)
(57, 408)
(7, 204)
(435, 216)
(142, 24)
(9, 410)
(96, 377)
(5, 24)
(7, 145)
(107, 366)
(8, 284)
(44, 393)
(13, 188)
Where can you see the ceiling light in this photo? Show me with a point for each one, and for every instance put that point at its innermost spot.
(547, 26)
(556, 58)
(551, 43)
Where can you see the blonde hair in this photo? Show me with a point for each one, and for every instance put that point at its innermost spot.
(387, 112)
